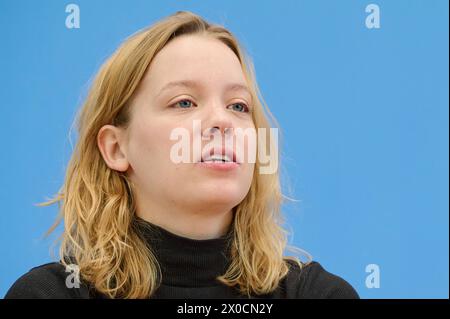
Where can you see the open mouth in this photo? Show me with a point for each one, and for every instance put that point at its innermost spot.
(217, 159)
(221, 155)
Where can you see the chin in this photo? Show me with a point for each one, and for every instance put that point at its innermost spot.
(222, 195)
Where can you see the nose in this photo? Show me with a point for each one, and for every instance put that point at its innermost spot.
(217, 127)
(213, 130)
(217, 120)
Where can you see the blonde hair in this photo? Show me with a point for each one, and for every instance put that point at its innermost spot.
(96, 202)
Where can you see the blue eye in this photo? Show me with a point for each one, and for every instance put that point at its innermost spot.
(184, 104)
(241, 107)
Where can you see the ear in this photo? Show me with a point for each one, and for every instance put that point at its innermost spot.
(110, 143)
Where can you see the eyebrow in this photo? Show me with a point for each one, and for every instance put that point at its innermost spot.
(194, 84)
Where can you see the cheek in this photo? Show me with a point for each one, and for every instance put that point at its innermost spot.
(247, 176)
(149, 148)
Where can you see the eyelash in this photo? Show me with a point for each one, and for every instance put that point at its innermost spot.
(243, 104)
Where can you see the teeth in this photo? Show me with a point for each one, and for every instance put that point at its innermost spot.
(217, 158)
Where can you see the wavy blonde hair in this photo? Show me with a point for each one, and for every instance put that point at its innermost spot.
(96, 202)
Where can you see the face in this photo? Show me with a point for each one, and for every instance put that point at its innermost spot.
(193, 78)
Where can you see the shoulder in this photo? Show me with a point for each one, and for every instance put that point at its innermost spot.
(47, 281)
(312, 281)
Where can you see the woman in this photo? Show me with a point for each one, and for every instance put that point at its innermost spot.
(138, 223)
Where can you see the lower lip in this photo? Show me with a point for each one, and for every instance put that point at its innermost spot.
(219, 166)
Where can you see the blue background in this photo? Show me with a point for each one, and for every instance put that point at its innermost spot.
(364, 115)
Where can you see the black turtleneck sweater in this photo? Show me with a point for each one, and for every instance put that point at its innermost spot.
(189, 270)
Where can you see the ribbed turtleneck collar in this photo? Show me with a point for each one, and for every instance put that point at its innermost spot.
(187, 262)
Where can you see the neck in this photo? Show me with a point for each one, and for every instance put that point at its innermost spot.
(193, 225)
(186, 262)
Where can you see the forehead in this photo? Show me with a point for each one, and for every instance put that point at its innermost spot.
(194, 57)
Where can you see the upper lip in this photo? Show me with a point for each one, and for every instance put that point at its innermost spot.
(218, 151)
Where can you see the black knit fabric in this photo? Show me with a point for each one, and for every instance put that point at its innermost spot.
(189, 269)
